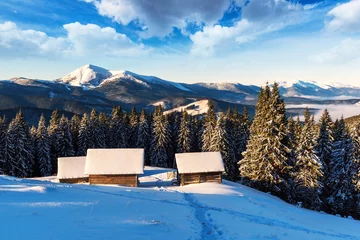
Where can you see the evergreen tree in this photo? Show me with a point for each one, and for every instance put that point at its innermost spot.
(3, 130)
(83, 143)
(209, 125)
(19, 149)
(64, 140)
(143, 136)
(292, 139)
(133, 127)
(35, 168)
(103, 130)
(96, 138)
(308, 168)
(52, 131)
(324, 147)
(265, 162)
(127, 130)
(342, 199)
(196, 134)
(184, 139)
(298, 129)
(223, 142)
(74, 129)
(355, 136)
(42, 149)
(160, 139)
(117, 129)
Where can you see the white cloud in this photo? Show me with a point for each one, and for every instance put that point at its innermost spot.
(81, 39)
(347, 51)
(92, 39)
(160, 16)
(345, 17)
(15, 42)
(258, 17)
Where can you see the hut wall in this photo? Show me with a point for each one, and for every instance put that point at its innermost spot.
(190, 178)
(74, 180)
(130, 180)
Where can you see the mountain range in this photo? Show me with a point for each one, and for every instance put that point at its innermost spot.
(95, 87)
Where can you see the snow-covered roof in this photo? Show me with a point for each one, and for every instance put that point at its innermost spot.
(115, 161)
(71, 167)
(199, 162)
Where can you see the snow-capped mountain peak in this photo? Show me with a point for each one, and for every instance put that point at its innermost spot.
(88, 75)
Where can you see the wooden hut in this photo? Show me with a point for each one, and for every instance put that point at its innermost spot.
(199, 167)
(115, 166)
(71, 170)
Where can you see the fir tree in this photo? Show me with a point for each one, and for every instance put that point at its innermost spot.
(184, 139)
(95, 138)
(3, 130)
(324, 147)
(196, 134)
(64, 140)
(103, 130)
(341, 171)
(83, 143)
(74, 129)
(223, 142)
(308, 168)
(19, 149)
(42, 149)
(133, 127)
(160, 139)
(143, 136)
(117, 129)
(209, 125)
(52, 131)
(265, 164)
(127, 130)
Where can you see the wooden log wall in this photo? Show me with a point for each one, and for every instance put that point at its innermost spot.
(74, 180)
(130, 180)
(191, 178)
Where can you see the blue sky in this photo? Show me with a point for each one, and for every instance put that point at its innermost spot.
(246, 41)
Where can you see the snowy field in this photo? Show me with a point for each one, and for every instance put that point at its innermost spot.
(44, 209)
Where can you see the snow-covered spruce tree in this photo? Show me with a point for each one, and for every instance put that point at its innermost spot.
(265, 165)
(174, 128)
(323, 148)
(35, 169)
(241, 130)
(342, 199)
(143, 136)
(96, 138)
(308, 168)
(19, 149)
(42, 149)
(184, 139)
(133, 127)
(355, 136)
(83, 144)
(52, 131)
(103, 130)
(209, 124)
(117, 129)
(127, 129)
(3, 130)
(292, 139)
(223, 141)
(298, 129)
(74, 129)
(196, 130)
(64, 140)
(160, 140)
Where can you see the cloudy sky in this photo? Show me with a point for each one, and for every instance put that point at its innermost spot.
(247, 41)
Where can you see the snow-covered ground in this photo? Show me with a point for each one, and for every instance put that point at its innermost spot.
(44, 209)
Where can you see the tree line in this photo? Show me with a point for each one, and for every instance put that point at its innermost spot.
(313, 165)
